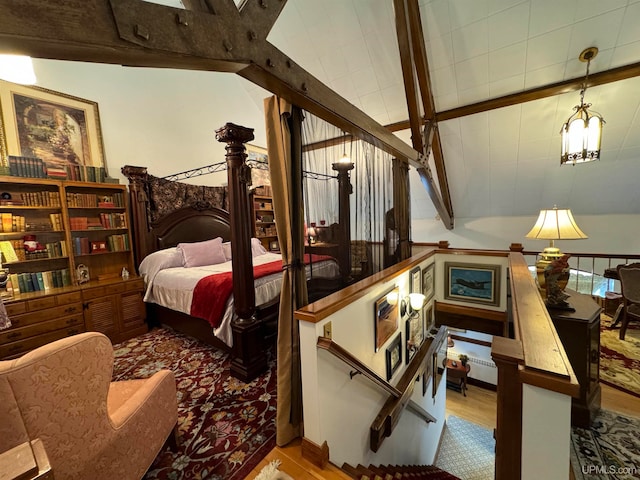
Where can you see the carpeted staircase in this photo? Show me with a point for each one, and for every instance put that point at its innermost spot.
(391, 472)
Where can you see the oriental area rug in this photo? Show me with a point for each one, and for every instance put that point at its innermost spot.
(620, 359)
(609, 450)
(226, 427)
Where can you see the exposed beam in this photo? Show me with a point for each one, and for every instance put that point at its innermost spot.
(138, 33)
(566, 86)
(422, 70)
(408, 73)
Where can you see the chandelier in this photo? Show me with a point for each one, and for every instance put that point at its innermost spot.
(582, 132)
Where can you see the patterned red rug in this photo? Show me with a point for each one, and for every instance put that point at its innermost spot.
(620, 359)
(225, 426)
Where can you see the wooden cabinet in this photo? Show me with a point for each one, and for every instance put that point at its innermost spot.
(579, 332)
(263, 219)
(39, 320)
(49, 229)
(116, 309)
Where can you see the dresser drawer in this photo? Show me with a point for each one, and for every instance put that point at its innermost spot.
(44, 315)
(41, 303)
(66, 298)
(15, 334)
(14, 349)
(16, 308)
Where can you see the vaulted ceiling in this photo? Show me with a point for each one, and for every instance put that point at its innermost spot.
(502, 160)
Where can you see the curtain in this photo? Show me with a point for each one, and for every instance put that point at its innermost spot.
(371, 179)
(286, 184)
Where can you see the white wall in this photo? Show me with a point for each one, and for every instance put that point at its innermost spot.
(162, 119)
(617, 234)
(340, 410)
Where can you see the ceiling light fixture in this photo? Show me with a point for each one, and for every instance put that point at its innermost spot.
(17, 69)
(582, 132)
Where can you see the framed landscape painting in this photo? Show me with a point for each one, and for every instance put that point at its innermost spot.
(57, 128)
(475, 283)
(428, 285)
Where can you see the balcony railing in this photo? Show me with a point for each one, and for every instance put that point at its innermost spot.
(588, 269)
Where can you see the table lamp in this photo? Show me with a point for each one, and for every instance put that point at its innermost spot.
(553, 224)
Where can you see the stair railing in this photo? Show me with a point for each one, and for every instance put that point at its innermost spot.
(399, 396)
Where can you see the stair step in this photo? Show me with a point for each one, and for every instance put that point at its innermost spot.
(397, 472)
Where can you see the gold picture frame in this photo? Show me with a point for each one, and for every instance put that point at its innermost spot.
(58, 128)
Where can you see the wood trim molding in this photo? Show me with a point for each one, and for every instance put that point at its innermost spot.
(314, 453)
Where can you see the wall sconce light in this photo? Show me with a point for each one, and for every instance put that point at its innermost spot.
(410, 304)
(582, 132)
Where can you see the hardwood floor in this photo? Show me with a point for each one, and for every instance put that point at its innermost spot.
(479, 407)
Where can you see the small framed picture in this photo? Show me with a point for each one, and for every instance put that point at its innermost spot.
(474, 283)
(394, 356)
(385, 317)
(414, 334)
(274, 246)
(97, 247)
(428, 286)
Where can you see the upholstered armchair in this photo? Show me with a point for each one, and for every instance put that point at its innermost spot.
(91, 427)
(630, 283)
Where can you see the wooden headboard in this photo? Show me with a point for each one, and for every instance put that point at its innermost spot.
(190, 225)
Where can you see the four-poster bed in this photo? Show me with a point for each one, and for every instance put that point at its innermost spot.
(194, 215)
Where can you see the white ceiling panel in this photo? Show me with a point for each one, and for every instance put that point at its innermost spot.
(506, 161)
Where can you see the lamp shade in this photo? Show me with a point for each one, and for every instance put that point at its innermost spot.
(17, 69)
(556, 224)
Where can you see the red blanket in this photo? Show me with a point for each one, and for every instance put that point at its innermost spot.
(211, 293)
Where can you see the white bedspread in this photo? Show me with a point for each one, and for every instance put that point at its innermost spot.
(173, 287)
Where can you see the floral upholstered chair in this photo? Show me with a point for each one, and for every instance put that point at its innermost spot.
(91, 427)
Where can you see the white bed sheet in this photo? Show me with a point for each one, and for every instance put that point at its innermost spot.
(173, 287)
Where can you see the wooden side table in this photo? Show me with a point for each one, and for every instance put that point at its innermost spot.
(27, 461)
(579, 333)
(457, 375)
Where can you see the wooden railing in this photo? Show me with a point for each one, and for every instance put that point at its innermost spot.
(535, 356)
(400, 396)
(588, 269)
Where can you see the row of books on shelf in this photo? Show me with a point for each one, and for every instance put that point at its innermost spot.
(30, 167)
(15, 251)
(12, 223)
(39, 281)
(41, 198)
(118, 243)
(114, 243)
(94, 200)
(104, 221)
(34, 167)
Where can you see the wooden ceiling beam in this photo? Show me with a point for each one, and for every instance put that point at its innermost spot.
(261, 15)
(601, 78)
(424, 80)
(138, 33)
(407, 63)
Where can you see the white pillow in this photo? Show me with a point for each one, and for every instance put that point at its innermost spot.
(156, 261)
(197, 254)
(226, 247)
(257, 248)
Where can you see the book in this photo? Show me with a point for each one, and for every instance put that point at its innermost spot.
(15, 282)
(8, 252)
(7, 222)
(40, 280)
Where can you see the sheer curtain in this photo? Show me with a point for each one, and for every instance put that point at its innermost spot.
(371, 179)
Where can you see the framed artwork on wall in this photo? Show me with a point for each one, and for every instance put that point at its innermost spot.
(257, 160)
(394, 356)
(60, 129)
(428, 284)
(475, 283)
(385, 318)
(415, 281)
(414, 335)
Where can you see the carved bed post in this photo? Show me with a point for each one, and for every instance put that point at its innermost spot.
(247, 335)
(138, 201)
(344, 213)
